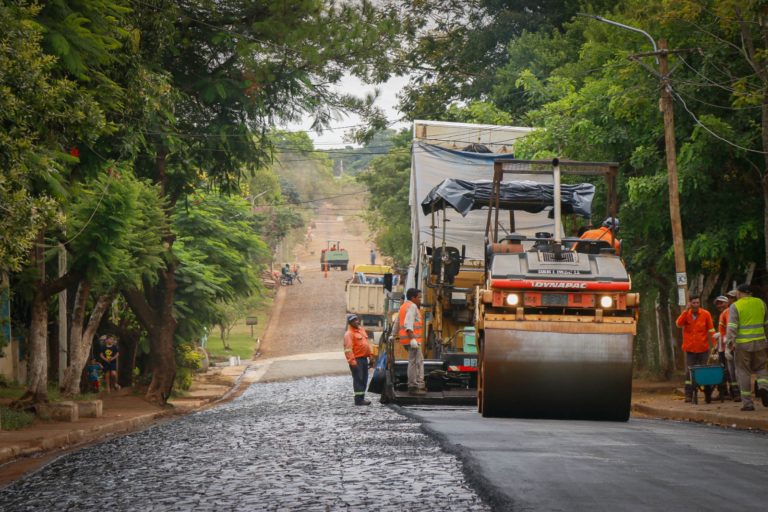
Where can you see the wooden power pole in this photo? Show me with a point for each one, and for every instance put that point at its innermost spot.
(674, 194)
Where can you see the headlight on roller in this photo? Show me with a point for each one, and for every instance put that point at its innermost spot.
(513, 299)
(606, 301)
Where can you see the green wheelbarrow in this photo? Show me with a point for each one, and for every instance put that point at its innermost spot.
(706, 375)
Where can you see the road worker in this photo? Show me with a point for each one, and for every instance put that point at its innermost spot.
(721, 303)
(727, 354)
(747, 321)
(411, 331)
(698, 331)
(608, 232)
(735, 392)
(358, 353)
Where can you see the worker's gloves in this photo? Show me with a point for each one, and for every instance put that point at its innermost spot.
(414, 344)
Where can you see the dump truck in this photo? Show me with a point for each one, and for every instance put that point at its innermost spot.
(367, 293)
(520, 319)
(334, 256)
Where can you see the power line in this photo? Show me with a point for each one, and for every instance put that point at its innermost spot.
(705, 127)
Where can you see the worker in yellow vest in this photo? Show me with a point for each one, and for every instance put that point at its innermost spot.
(411, 333)
(747, 321)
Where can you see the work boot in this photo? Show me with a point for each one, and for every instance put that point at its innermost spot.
(708, 395)
(364, 402)
(417, 391)
(736, 393)
(747, 407)
(763, 394)
(688, 393)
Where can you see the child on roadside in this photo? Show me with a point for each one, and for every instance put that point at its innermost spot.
(93, 371)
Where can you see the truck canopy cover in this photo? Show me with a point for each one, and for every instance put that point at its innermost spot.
(529, 196)
(431, 164)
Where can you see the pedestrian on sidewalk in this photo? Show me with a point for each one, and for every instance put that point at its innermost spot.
(697, 339)
(108, 355)
(373, 256)
(93, 372)
(358, 353)
(747, 321)
(411, 333)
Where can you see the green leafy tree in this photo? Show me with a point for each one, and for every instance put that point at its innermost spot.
(230, 71)
(387, 180)
(458, 46)
(220, 256)
(117, 223)
(44, 115)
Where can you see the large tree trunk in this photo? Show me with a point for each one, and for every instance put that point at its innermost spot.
(154, 310)
(162, 363)
(37, 355)
(80, 340)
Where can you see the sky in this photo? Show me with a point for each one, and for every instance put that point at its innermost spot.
(335, 138)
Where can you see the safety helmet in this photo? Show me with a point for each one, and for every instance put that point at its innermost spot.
(611, 222)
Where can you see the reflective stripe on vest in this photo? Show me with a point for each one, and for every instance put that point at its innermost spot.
(751, 320)
(418, 325)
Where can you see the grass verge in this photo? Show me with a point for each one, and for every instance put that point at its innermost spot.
(15, 420)
(240, 340)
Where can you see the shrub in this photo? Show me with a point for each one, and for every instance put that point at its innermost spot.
(11, 419)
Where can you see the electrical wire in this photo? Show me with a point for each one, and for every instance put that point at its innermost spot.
(706, 128)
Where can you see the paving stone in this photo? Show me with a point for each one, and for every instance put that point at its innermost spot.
(299, 445)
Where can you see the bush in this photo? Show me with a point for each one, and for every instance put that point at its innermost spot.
(187, 356)
(183, 379)
(11, 419)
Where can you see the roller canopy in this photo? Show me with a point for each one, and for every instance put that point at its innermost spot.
(530, 196)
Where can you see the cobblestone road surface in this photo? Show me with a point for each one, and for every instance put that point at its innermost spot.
(299, 445)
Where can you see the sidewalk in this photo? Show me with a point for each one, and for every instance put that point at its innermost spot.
(122, 412)
(665, 400)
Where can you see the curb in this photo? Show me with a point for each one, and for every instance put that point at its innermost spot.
(76, 438)
(715, 418)
(81, 436)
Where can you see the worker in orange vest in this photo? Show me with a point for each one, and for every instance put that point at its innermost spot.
(411, 333)
(604, 233)
(698, 331)
(358, 352)
(723, 303)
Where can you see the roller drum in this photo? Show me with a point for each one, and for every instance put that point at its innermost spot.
(534, 374)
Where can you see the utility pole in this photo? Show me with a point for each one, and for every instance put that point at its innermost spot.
(674, 195)
(665, 105)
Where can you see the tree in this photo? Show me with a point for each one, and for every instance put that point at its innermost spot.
(118, 221)
(220, 255)
(43, 115)
(731, 72)
(231, 71)
(458, 46)
(387, 180)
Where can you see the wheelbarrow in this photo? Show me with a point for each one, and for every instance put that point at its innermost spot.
(706, 375)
